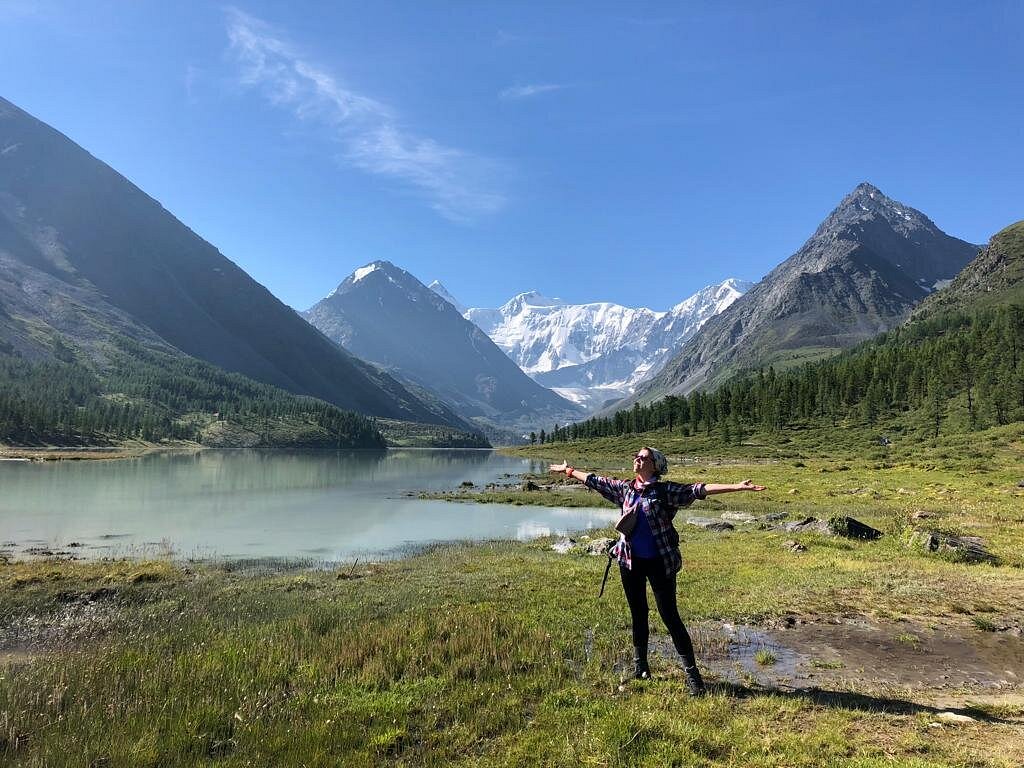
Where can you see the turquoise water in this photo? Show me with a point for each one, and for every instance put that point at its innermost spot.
(239, 504)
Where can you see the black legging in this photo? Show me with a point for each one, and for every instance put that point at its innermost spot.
(634, 583)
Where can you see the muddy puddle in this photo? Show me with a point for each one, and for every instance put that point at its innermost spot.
(859, 653)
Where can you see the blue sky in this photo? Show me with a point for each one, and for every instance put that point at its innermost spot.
(624, 152)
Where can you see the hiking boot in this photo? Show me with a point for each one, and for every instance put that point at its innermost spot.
(640, 670)
(694, 682)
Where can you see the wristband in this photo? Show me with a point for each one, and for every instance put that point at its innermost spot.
(569, 471)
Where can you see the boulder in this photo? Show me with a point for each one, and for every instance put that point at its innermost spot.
(970, 549)
(599, 546)
(853, 529)
(834, 526)
(710, 523)
(807, 525)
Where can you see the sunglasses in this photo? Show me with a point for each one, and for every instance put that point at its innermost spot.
(642, 456)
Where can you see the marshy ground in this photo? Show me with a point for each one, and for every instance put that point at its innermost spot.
(849, 652)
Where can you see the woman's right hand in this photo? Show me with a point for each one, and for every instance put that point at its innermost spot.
(558, 467)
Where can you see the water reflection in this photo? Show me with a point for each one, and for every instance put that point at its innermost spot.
(330, 505)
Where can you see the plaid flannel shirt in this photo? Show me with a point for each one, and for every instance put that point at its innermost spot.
(659, 514)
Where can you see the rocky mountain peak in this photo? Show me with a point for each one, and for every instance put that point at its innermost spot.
(712, 299)
(438, 287)
(374, 271)
(388, 317)
(866, 265)
(866, 204)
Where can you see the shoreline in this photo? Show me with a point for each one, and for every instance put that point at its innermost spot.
(137, 450)
(132, 450)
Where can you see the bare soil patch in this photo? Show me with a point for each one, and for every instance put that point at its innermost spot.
(947, 663)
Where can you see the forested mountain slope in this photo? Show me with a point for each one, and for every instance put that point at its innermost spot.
(86, 255)
(957, 365)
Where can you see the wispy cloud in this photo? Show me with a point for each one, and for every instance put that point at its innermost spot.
(526, 91)
(457, 184)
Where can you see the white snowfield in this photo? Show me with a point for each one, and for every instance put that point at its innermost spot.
(591, 353)
(362, 272)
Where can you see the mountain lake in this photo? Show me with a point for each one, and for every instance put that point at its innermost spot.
(324, 506)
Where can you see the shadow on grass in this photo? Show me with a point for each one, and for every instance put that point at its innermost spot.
(850, 700)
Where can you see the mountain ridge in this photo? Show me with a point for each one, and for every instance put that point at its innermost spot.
(68, 215)
(597, 351)
(386, 315)
(868, 263)
(996, 275)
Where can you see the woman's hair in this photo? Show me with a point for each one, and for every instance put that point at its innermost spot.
(660, 462)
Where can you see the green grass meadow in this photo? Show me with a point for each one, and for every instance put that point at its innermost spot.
(500, 654)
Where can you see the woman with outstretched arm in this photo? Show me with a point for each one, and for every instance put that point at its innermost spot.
(648, 547)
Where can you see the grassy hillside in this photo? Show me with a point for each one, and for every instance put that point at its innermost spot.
(995, 277)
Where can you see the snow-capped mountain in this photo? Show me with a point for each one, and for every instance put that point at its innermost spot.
(438, 288)
(383, 314)
(593, 353)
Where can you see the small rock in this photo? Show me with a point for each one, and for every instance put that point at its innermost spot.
(563, 546)
(1020, 484)
(794, 546)
(953, 717)
(792, 491)
(920, 514)
(904, 492)
(710, 523)
(738, 517)
(773, 517)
